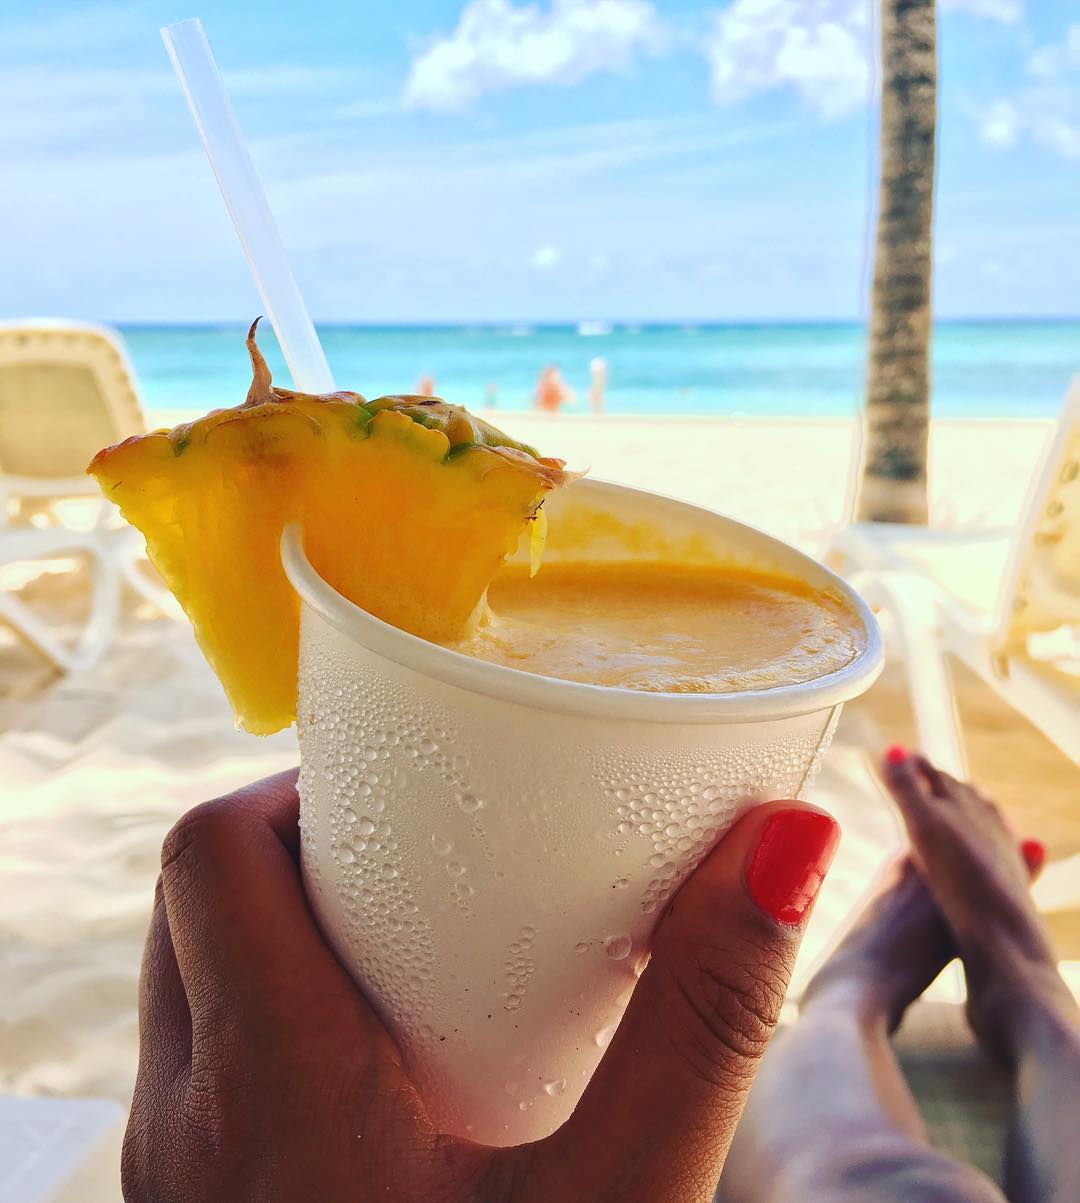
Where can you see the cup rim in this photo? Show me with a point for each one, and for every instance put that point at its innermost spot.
(578, 698)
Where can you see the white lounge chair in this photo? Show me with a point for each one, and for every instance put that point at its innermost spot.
(66, 389)
(58, 544)
(1006, 604)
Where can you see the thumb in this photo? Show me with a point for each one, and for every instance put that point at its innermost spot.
(660, 1112)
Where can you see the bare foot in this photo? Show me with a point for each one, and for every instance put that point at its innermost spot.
(898, 945)
(979, 878)
(831, 1115)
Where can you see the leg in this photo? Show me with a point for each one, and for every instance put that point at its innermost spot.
(1018, 1005)
(830, 1117)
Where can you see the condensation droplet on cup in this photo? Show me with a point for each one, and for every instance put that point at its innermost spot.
(440, 844)
(618, 947)
(581, 946)
(602, 1038)
(469, 803)
(555, 1088)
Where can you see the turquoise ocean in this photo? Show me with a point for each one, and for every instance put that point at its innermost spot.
(980, 369)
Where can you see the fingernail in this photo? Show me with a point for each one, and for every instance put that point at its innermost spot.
(896, 754)
(790, 861)
(1034, 853)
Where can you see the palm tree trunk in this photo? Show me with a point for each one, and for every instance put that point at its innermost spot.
(898, 378)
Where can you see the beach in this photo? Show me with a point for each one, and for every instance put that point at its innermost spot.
(328, 304)
(98, 765)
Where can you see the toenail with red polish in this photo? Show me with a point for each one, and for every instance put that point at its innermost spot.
(1034, 853)
(896, 754)
(789, 864)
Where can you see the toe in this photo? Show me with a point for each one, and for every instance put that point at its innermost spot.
(907, 785)
(947, 787)
(1034, 854)
(940, 783)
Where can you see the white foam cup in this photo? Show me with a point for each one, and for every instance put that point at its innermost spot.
(488, 850)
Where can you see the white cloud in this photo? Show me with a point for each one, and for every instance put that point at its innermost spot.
(1057, 134)
(994, 10)
(499, 45)
(818, 48)
(546, 257)
(1000, 124)
(1051, 62)
(1051, 121)
(1046, 111)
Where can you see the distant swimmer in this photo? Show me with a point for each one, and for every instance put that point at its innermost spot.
(597, 383)
(425, 386)
(552, 391)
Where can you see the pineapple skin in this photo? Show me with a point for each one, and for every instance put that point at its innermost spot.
(407, 505)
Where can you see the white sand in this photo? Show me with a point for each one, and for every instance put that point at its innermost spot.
(95, 767)
(789, 477)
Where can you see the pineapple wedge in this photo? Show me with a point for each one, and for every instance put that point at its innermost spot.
(408, 506)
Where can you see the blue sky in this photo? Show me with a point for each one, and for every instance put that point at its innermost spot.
(492, 159)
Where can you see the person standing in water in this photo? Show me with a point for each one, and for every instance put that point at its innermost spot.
(597, 383)
(552, 391)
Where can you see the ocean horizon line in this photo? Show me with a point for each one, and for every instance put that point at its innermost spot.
(593, 324)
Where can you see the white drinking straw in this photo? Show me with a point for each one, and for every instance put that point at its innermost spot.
(244, 197)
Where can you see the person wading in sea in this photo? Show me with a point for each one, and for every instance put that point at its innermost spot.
(552, 391)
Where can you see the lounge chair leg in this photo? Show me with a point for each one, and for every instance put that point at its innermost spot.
(95, 636)
(912, 605)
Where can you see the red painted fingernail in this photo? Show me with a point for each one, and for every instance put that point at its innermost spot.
(790, 861)
(895, 754)
(1034, 853)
